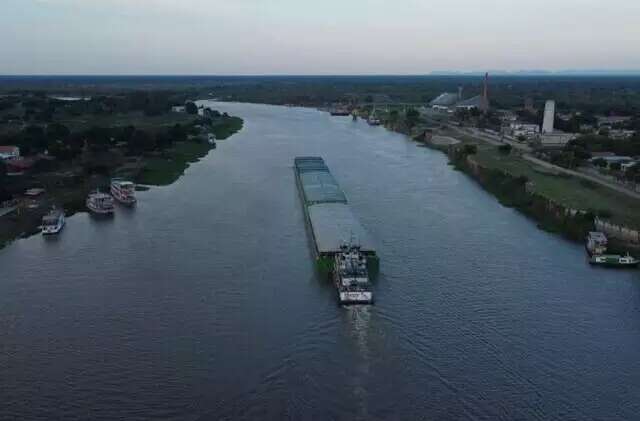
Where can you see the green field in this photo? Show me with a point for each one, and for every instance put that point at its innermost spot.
(568, 191)
(164, 170)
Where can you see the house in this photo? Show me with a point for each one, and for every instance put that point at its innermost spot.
(611, 120)
(19, 166)
(621, 134)
(178, 109)
(9, 152)
(556, 139)
(527, 130)
(615, 159)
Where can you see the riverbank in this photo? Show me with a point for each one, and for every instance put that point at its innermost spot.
(166, 168)
(557, 202)
(68, 186)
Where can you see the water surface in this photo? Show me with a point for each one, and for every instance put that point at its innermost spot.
(202, 303)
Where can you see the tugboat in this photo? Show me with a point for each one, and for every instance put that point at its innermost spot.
(100, 203)
(614, 260)
(123, 191)
(53, 222)
(596, 243)
(351, 277)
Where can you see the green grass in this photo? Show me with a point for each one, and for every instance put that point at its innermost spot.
(568, 191)
(164, 170)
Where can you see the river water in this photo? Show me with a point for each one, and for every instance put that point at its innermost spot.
(202, 303)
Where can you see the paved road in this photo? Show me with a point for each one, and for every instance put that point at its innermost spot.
(495, 140)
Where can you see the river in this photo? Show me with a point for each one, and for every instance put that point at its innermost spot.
(202, 303)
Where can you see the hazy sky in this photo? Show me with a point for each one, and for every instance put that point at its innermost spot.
(315, 37)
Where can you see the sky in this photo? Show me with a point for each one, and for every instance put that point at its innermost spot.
(257, 37)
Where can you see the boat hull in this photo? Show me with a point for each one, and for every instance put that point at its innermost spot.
(49, 231)
(99, 212)
(615, 265)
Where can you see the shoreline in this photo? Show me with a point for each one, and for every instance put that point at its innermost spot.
(154, 169)
(519, 192)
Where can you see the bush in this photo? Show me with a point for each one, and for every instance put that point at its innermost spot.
(469, 149)
(505, 149)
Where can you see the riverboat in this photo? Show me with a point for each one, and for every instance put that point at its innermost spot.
(596, 243)
(614, 260)
(331, 222)
(100, 203)
(53, 222)
(123, 191)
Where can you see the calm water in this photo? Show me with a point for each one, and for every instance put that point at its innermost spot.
(202, 303)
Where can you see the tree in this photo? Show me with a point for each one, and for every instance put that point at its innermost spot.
(191, 108)
(505, 149)
(57, 131)
(178, 133)
(615, 166)
(413, 116)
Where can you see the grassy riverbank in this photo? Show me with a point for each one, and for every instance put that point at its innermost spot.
(568, 191)
(166, 168)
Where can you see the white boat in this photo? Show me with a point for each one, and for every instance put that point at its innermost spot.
(596, 243)
(615, 260)
(351, 277)
(123, 191)
(100, 203)
(53, 222)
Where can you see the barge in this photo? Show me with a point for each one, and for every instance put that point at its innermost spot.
(334, 229)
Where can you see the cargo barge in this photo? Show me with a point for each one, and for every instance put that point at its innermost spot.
(335, 232)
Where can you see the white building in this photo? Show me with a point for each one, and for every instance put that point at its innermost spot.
(556, 139)
(9, 152)
(178, 109)
(620, 134)
(527, 130)
(549, 116)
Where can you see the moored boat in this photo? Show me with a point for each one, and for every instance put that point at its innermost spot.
(339, 111)
(53, 222)
(614, 260)
(596, 243)
(100, 203)
(123, 191)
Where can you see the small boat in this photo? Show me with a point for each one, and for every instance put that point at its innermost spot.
(339, 111)
(614, 260)
(351, 277)
(373, 120)
(596, 243)
(211, 139)
(53, 222)
(100, 203)
(123, 191)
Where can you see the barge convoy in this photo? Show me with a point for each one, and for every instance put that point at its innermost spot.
(342, 248)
